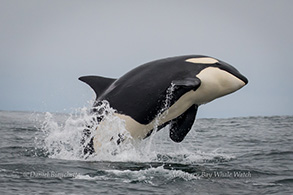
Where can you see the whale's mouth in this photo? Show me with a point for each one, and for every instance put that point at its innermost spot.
(243, 78)
(232, 70)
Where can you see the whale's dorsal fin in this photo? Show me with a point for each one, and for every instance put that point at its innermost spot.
(182, 124)
(97, 83)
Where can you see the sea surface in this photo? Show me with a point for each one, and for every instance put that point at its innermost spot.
(41, 153)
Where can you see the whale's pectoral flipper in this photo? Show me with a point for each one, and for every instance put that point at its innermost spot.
(189, 82)
(182, 124)
(182, 86)
(97, 83)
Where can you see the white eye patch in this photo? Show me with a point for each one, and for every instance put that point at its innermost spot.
(203, 60)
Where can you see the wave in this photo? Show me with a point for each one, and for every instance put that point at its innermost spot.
(270, 153)
(152, 175)
(285, 181)
(63, 141)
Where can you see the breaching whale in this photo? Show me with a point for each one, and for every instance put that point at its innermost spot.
(165, 91)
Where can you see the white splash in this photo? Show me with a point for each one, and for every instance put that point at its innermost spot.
(63, 137)
(66, 140)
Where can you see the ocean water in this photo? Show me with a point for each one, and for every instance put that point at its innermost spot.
(40, 153)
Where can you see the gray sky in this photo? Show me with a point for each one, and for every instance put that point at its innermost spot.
(46, 45)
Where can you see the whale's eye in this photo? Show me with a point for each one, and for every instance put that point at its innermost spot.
(203, 60)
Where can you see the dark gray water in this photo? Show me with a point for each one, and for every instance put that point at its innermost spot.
(40, 154)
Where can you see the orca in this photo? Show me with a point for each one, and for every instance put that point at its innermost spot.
(165, 92)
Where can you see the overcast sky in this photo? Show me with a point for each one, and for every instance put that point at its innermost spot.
(46, 45)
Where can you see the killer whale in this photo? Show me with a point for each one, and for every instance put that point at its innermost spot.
(166, 91)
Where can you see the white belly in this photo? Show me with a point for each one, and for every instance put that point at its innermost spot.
(139, 131)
